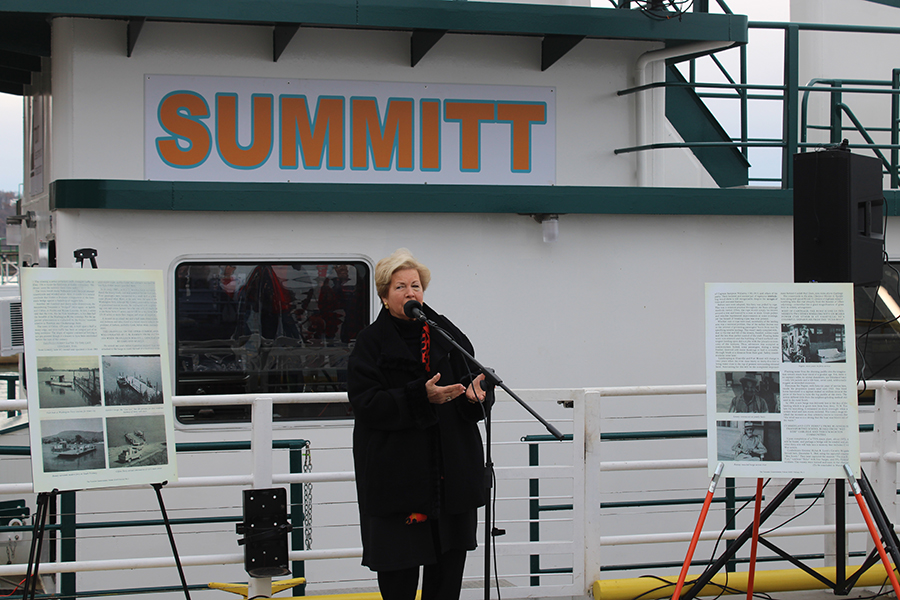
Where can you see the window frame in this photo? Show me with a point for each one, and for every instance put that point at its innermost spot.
(171, 290)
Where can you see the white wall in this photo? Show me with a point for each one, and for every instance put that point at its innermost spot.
(98, 91)
(617, 300)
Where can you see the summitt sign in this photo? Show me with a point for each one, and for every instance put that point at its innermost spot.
(245, 129)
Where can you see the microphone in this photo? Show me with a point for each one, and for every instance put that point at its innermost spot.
(413, 310)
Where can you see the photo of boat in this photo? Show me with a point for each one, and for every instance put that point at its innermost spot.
(69, 381)
(132, 380)
(76, 451)
(136, 441)
(72, 445)
(60, 382)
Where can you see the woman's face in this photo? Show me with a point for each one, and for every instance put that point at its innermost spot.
(405, 286)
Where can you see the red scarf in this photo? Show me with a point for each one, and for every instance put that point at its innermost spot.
(426, 347)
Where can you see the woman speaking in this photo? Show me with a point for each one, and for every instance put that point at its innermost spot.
(417, 450)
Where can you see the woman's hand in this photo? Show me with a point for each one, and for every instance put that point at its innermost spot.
(439, 394)
(474, 392)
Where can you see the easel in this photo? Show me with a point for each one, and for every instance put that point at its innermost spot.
(865, 497)
(45, 499)
(40, 527)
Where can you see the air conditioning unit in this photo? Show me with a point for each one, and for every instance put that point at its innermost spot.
(12, 337)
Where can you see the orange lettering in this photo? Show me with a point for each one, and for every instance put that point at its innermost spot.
(179, 115)
(328, 129)
(470, 116)
(232, 152)
(368, 132)
(520, 117)
(431, 135)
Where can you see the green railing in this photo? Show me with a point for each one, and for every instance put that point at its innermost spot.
(68, 526)
(731, 500)
(794, 110)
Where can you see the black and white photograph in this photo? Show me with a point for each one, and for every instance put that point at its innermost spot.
(753, 392)
(132, 380)
(72, 445)
(807, 343)
(68, 381)
(137, 441)
(748, 441)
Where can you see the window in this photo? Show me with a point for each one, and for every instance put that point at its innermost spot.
(878, 326)
(267, 327)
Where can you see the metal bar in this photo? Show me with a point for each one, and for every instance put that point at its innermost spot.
(789, 112)
(68, 533)
(835, 114)
(895, 128)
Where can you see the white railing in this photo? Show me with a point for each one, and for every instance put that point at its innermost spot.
(613, 519)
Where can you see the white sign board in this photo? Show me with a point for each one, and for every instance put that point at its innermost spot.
(781, 380)
(300, 130)
(96, 360)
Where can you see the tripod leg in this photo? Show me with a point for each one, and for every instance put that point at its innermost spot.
(891, 543)
(690, 553)
(714, 568)
(34, 555)
(162, 507)
(755, 543)
(872, 530)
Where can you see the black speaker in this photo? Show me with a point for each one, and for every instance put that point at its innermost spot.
(838, 217)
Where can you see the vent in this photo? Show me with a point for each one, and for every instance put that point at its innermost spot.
(12, 336)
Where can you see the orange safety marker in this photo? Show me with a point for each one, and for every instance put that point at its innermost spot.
(697, 530)
(854, 486)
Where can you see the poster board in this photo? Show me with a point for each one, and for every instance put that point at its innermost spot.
(96, 363)
(781, 379)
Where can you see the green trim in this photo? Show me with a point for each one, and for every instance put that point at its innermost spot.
(323, 197)
(461, 17)
(114, 194)
(894, 3)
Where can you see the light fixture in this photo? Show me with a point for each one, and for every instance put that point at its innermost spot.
(549, 225)
(889, 302)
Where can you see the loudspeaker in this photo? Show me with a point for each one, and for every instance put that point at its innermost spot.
(838, 217)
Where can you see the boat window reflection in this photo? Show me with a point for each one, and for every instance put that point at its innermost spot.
(267, 327)
(878, 328)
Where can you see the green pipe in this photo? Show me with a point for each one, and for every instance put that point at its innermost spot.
(67, 543)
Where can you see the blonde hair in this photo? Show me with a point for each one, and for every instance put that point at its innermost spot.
(401, 259)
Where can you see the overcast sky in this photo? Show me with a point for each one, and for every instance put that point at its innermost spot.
(11, 119)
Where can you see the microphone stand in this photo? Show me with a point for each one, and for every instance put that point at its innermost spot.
(491, 380)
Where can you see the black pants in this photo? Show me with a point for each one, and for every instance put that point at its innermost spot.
(441, 581)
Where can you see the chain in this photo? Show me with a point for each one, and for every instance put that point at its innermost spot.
(307, 499)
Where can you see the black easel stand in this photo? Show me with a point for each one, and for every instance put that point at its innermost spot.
(842, 585)
(40, 526)
(37, 539)
(162, 508)
(491, 381)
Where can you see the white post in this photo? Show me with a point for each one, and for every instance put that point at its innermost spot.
(590, 415)
(261, 450)
(884, 472)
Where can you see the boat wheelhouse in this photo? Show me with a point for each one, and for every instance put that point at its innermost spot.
(560, 169)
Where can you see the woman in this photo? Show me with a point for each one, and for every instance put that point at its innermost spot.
(416, 446)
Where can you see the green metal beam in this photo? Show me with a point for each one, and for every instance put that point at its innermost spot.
(116, 194)
(113, 194)
(25, 33)
(455, 17)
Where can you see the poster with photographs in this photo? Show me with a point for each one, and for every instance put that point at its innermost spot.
(96, 359)
(781, 380)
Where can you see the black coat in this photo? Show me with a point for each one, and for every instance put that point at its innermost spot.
(405, 448)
